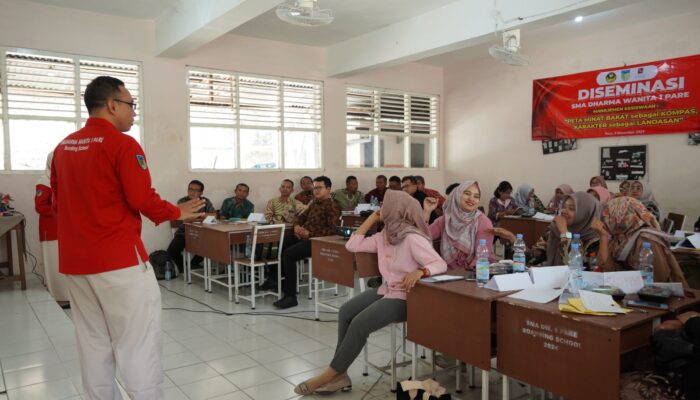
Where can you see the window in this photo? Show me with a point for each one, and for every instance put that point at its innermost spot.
(390, 129)
(41, 102)
(251, 122)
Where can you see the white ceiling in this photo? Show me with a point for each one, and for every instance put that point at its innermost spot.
(139, 9)
(352, 18)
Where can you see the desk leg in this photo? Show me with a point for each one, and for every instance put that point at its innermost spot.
(365, 369)
(10, 261)
(393, 357)
(506, 388)
(315, 297)
(188, 267)
(484, 385)
(458, 383)
(20, 255)
(362, 284)
(414, 362)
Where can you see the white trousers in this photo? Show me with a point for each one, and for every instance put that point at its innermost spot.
(117, 324)
(55, 281)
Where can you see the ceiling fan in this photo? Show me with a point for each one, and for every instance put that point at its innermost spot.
(304, 13)
(509, 53)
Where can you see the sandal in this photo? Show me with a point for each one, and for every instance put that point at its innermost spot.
(344, 384)
(302, 389)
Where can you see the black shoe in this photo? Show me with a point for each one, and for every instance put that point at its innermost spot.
(286, 302)
(269, 285)
(374, 282)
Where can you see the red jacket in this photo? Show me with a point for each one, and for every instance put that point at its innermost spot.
(101, 186)
(47, 218)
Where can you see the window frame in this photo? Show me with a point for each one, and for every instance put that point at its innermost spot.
(237, 126)
(376, 134)
(5, 117)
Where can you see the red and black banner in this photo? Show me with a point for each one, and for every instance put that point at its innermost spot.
(643, 99)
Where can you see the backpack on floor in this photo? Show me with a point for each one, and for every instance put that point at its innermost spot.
(160, 259)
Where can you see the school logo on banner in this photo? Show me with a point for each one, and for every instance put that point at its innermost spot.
(625, 75)
(142, 161)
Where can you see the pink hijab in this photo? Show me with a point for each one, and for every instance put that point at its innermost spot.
(402, 214)
(603, 194)
(460, 227)
(600, 179)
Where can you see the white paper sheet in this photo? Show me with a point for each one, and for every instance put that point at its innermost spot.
(538, 294)
(256, 217)
(551, 277)
(676, 288)
(543, 217)
(627, 281)
(692, 241)
(504, 283)
(442, 278)
(600, 302)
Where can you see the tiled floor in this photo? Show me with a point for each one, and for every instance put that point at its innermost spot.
(205, 355)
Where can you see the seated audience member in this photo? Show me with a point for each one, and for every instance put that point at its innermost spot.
(349, 197)
(598, 181)
(237, 206)
(194, 191)
(378, 191)
(502, 203)
(600, 193)
(526, 199)
(307, 193)
(450, 188)
(420, 183)
(630, 224)
(461, 227)
(319, 219)
(643, 193)
(557, 201)
(395, 183)
(624, 189)
(696, 227)
(409, 184)
(405, 255)
(284, 209)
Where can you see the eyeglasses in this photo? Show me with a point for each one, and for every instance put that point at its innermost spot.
(131, 104)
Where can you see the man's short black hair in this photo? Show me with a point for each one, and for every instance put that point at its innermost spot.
(198, 183)
(451, 188)
(420, 179)
(382, 177)
(349, 178)
(100, 90)
(326, 180)
(243, 184)
(288, 180)
(304, 177)
(395, 178)
(410, 178)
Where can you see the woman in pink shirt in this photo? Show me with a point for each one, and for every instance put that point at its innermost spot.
(461, 227)
(405, 254)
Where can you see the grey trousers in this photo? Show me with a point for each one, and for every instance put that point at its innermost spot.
(360, 316)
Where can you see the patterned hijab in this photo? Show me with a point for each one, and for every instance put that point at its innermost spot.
(460, 227)
(402, 214)
(625, 218)
(603, 194)
(566, 189)
(521, 195)
(600, 179)
(587, 210)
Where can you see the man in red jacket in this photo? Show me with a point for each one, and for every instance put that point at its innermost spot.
(101, 187)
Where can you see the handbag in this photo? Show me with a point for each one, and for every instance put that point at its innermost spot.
(421, 390)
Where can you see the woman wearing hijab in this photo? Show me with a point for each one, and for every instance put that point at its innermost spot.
(556, 202)
(624, 189)
(577, 215)
(48, 235)
(598, 181)
(643, 193)
(405, 253)
(630, 224)
(526, 199)
(600, 193)
(502, 203)
(461, 226)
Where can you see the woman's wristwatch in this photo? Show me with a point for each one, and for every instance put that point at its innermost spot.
(565, 235)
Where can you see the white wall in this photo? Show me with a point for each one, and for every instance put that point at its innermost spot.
(487, 112)
(35, 26)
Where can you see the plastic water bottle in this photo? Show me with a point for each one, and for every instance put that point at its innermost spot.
(646, 264)
(482, 263)
(519, 254)
(575, 268)
(248, 245)
(168, 270)
(374, 201)
(577, 239)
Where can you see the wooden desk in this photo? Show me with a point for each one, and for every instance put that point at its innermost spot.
(456, 319)
(14, 223)
(571, 355)
(532, 229)
(332, 262)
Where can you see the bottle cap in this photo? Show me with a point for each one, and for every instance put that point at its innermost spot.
(482, 242)
(519, 236)
(646, 245)
(577, 236)
(574, 246)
